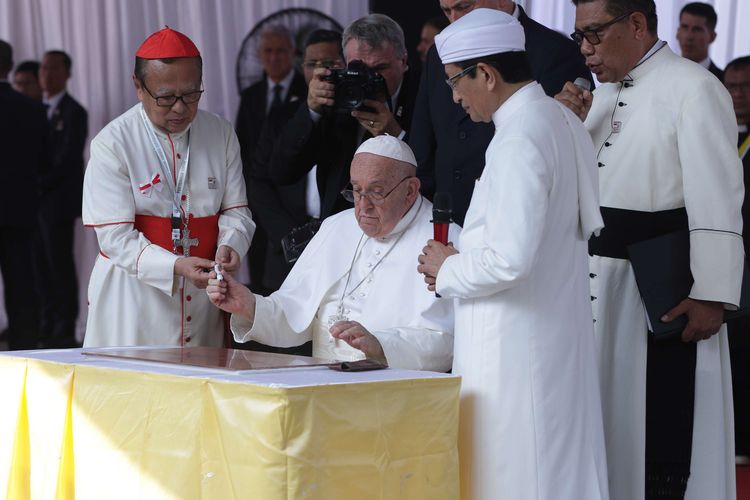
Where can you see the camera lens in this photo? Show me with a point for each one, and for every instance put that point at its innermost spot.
(350, 94)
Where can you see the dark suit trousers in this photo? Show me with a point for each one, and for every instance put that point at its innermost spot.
(16, 245)
(56, 282)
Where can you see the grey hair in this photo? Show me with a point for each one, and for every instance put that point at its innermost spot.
(277, 30)
(374, 30)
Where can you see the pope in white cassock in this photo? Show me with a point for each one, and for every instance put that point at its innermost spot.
(666, 136)
(164, 192)
(353, 291)
(531, 422)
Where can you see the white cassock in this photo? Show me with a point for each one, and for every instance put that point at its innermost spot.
(414, 327)
(134, 297)
(676, 148)
(531, 424)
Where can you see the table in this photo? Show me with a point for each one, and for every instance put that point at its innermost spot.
(91, 428)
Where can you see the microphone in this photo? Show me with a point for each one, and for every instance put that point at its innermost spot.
(442, 216)
(582, 83)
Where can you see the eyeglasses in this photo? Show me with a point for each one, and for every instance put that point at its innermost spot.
(743, 87)
(167, 101)
(593, 36)
(374, 197)
(451, 81)
(322, 63)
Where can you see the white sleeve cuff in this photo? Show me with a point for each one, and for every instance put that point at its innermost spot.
(155, 267)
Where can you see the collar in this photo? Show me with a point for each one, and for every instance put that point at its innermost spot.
(742, 128)
(405, 221)
(53, 101)
(164, 135)
(516, 12)
(394, 97)
(522, 96)
(706, 63)
(649, 60)
(285, 82)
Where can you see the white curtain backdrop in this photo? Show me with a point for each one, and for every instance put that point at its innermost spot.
(102, 35)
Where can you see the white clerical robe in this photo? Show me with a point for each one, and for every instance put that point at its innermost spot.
(531, 424)
(134, 296)
(414, 327)
(676, 147)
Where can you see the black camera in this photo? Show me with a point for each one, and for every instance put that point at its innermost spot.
(354, 84)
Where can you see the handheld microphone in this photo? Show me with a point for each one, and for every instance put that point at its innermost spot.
(442, 216)
(582, 83)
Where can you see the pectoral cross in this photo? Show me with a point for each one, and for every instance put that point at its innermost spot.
(186, 242)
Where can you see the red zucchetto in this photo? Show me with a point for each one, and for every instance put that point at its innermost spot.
(167, 43)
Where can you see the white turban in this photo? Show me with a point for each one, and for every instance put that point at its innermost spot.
(481, 32)
(388, 146)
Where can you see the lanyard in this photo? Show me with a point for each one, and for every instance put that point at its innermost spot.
(744, 147)
(177, 186)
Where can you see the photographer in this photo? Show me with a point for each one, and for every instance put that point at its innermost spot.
(324, 132)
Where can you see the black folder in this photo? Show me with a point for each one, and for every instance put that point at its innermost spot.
(662, 272)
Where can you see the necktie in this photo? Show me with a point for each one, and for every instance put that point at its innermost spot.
(276, 103)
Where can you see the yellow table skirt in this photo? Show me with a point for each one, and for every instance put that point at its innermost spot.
(92, 432)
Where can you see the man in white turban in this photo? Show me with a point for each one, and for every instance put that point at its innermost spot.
(531, 423)
(353, 291)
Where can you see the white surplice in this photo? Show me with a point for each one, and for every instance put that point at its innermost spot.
(134, 297)
(414, 327)
(531, 424)
(676, 147)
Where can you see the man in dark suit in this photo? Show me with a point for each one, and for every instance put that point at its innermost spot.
(450, 147)
(281, 88)
(696, 32)
(279, 209)
(60, 204)
(737, 82)
(318, 135)
(23, 135)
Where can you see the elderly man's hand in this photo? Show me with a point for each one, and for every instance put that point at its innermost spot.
(577, 100)
(320, 92)
(228, 258)
(431, 260)
(379, 121)
(357, 336)
(231, 296)
(704, 318)
(194, 269)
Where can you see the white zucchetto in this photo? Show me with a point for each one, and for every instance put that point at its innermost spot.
(388, 146)
(481, 32)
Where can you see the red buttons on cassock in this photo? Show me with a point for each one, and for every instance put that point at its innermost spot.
(184, 197)
(188, 318)
(188, 339)
(189, 298)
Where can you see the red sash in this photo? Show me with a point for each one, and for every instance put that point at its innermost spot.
(158, 230)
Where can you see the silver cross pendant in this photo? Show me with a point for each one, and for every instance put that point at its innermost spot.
(186, 242)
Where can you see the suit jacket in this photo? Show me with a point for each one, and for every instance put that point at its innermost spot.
(252, 114)
(62, 185)
(330, 144)
(23, 145)
(718, 72)
(449, 147)
(746, 202)
(276, 209)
